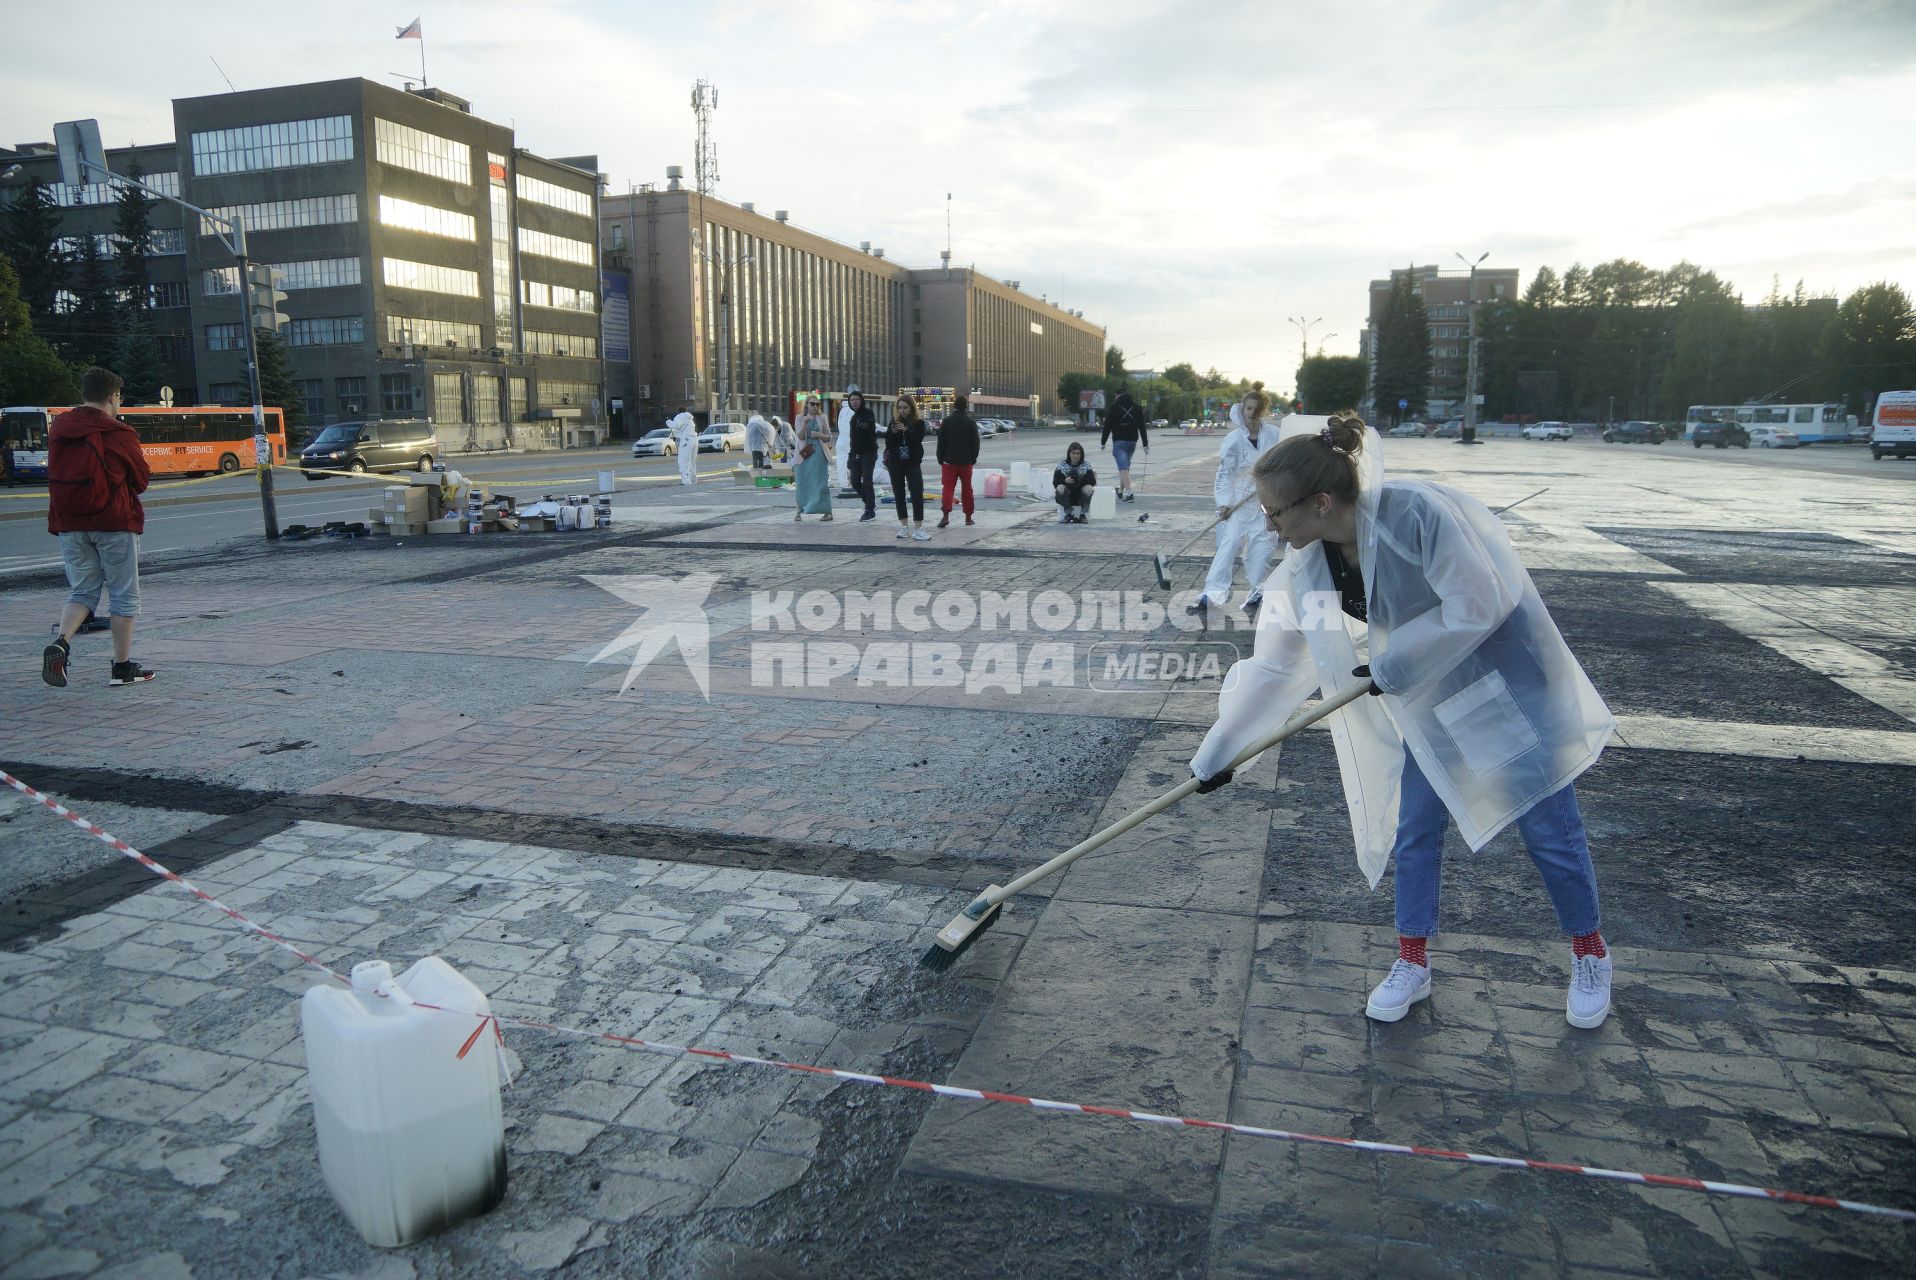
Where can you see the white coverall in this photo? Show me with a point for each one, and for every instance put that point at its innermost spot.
(685, 434)
(841, 461)
(1245, 530)
(1476, 679)
(758, 435)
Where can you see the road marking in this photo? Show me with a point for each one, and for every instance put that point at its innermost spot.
(1768, 741)
(1764, 615)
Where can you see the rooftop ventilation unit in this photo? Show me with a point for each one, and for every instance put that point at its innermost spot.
(748, 206)
(783, 216)
(878, 253)
(674, 176)
(864, 246)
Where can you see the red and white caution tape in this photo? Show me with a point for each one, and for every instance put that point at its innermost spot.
(986, 1095)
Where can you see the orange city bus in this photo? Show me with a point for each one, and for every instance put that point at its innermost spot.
(177, 440)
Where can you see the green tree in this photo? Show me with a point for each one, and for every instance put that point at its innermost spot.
(31, 371)
(132, 240)
(1328, 383)
(1403, 351)
(30, 237)
(87, 332)
(276, 378)
(1871, 347)
(1183, 376)
(1114, 362)
(1704, 365)
(137, 358)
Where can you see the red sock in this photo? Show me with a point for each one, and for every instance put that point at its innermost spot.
(1414, 950)
(1588, 944)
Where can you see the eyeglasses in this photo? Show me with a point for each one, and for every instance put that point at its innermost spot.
(1272, 513)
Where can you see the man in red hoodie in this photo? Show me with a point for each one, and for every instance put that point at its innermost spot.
(95, 474)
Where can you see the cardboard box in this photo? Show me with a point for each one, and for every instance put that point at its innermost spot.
(535, 524)
(377, 515)
(418, 479)
(408, 504)
(448, 524)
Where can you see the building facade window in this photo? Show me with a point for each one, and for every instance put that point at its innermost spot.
(408, 148)
(542, 343)
(516, 402)
(176, 348)
(430, 278)
(68, 196)
(316, 273)
(228, 393)
(325, 331)
(559, 248)
(285, 215)
(312, 397)
(485, 398)
(409, 215)
(164, 242)
(431, 333)
(224, 337)
(397, 396)
(448, 398)
(166, 293)
(352, 396)
(555, 197)
(291, 144)
(504, 331)
(560, 297)
(553, 394)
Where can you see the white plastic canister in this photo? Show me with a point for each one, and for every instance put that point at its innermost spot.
(411, 1135)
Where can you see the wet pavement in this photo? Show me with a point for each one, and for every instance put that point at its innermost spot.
(395, 751)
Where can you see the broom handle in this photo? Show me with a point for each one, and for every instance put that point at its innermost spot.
(1214, 524)
(1302, 720)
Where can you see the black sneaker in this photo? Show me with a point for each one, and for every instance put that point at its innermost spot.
(53, 664)
(130, 672)
(1197, 610)
(869, 515)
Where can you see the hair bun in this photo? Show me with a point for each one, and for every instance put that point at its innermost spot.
(1257, 386)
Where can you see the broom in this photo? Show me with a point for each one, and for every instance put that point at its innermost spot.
(965, 928)
(1161, 563)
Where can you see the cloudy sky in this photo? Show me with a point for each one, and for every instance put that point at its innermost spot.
(1191, 175)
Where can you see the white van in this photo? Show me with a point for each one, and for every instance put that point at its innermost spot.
(1894, 433)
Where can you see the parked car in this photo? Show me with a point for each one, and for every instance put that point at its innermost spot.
(1189, 424)
(1156, 423)
(1893, 430)
(1451, 430)
(1634, 433)
(1720, 434)
(722, 437)
(392, 444)
(1773, 438)
(1407, 429)
(1547, 431)
(656, 444)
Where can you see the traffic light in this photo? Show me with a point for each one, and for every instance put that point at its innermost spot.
(264, 297)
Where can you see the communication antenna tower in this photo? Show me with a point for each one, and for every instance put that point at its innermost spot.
(705, 159)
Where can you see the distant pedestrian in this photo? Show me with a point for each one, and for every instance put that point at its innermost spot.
(811, 462)
(905, 463)
(846, 413)
(95, 475)
(784, 441)
(1242, 527)
(685, 436)
(957, 455)
(858, 432)
(758, 440)
(1071, 483)
(1124, 427)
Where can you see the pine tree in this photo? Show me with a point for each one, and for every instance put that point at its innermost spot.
(86, 334)
(1403, 352)
(137, 358)
(276, 378)
(132, 239)
(30, 237)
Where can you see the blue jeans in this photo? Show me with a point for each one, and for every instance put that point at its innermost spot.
(1552, 831)
(1121, 451)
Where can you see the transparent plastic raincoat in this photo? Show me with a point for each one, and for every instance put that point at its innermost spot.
(1476, 679)
(1244, 532)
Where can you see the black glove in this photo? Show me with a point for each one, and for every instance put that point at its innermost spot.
(1207, 785)
(1363, 673)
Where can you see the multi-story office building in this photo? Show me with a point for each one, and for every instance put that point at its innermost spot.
(1447, 300)
(432, 269)
(755, 308)
(90, 211)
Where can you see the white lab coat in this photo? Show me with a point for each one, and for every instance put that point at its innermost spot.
(1476, 678)
(1245, 531)
(758, 435)
(685, 434)
(841, 461)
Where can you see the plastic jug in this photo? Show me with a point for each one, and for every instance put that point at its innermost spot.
(1021, 475)
(994, 485)
(411, 1135)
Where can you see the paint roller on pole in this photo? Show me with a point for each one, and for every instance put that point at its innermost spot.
(1161, 563)
(965, 928)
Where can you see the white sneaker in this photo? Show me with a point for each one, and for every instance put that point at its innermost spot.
(1589, 1001)
(904, 531)
(1406, 984)
(919, 535)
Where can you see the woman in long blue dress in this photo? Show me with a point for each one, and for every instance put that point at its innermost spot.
(811, 465)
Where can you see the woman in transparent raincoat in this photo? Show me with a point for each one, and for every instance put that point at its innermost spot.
(1483, 714)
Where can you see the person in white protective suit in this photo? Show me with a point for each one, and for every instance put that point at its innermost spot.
(841, 461)
(685, 435)
(1241, 532)
(758, 440)
(1483, 716)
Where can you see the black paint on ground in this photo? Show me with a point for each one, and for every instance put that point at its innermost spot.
(1781, 557)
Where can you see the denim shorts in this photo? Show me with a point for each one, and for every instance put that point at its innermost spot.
(110, 560)
(1121, 451)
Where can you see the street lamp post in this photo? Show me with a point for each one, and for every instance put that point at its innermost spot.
(1304, 335)
(725, 326)
(1469, 433)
